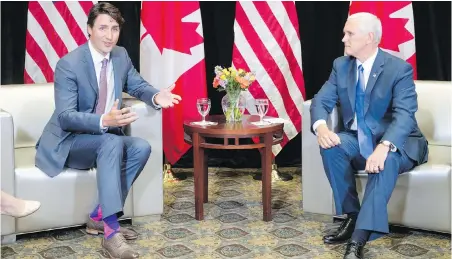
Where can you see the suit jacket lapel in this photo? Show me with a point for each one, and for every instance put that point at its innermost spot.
(377, 68)
(351, 83)
(91, 72)
(118, 89)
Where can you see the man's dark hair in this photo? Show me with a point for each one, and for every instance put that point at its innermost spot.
(105, 8)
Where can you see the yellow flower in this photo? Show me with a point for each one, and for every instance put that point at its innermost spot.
(223, 77)
(241, 71)
(224, 70)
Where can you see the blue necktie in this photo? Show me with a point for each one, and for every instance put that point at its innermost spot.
(364, 135)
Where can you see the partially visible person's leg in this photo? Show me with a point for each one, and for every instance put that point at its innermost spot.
(17, 207)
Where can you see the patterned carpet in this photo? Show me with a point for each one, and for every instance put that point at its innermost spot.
(233, 228)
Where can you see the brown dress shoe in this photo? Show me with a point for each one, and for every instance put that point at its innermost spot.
(97, 227)
(117, 248)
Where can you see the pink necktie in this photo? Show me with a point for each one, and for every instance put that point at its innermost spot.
(102, 98)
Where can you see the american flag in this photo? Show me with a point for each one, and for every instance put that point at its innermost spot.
(267, 42)
(53, 30)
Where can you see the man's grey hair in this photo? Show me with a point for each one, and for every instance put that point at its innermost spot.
(368, 23)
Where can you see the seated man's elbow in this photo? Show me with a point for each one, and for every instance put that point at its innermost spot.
(62, 120)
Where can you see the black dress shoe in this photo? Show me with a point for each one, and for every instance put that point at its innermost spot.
(343, 233)
(354, 250)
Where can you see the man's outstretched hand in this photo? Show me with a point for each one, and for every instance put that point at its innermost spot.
(167, 99)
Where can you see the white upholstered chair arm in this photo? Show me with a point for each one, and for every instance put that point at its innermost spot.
(149, 185)
(317, 194)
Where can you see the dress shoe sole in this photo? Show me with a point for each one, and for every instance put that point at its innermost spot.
(96, 232)
(109, 255)
(329, 242)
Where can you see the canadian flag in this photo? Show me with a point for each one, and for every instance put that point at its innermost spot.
(398, 27)
(172, 52)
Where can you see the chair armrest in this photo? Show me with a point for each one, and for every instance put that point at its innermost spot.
(147, 190)
(7, 165)
(317, 193)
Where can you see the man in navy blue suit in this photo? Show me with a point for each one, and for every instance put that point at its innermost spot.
(377, 100)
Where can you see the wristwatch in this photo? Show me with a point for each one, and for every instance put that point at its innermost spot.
(392, 148)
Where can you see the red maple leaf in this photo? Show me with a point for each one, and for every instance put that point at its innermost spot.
(394, 32)
(163, 21)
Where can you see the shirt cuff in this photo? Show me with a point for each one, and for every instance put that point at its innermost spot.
(317, 124)
(393, 147)
(153, 102)
(101, 127)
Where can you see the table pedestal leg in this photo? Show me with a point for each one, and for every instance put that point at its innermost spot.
(206, 177)
(198, 168)
(266, 160)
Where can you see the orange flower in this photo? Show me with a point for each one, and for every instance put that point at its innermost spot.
(216, 82)
(242, 81)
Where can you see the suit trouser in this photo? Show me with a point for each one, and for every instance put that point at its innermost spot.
(340, 164)
(119, 161)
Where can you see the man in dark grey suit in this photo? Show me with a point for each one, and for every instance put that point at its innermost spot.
(85, 131)
(378, 101)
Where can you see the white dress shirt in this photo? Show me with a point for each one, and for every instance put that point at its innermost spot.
(367, 66)
(97, 61)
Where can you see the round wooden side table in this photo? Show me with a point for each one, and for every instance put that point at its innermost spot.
(196, 135)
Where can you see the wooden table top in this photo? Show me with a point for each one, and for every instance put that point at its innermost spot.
(245, 127)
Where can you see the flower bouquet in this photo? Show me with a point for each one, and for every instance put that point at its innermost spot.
(233, 82)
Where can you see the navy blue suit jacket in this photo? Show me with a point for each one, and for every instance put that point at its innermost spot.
(390, 102)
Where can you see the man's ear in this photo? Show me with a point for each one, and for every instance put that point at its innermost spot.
(370, 38)
(90, 30)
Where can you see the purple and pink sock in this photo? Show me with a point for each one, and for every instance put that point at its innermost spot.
(96, 215)
(111, 224)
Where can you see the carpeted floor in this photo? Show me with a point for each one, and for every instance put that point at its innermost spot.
(233, 228)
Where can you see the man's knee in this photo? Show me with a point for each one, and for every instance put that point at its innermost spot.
(348, 147)
(331, 152)
(143, 148)
(111, 142)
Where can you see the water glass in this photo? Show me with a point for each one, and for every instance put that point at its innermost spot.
(203, 105)
(261, 108)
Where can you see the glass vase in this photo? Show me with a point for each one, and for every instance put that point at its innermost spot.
(233, 104)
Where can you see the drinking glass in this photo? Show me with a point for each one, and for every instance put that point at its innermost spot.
(203, 105)
(262, 109)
